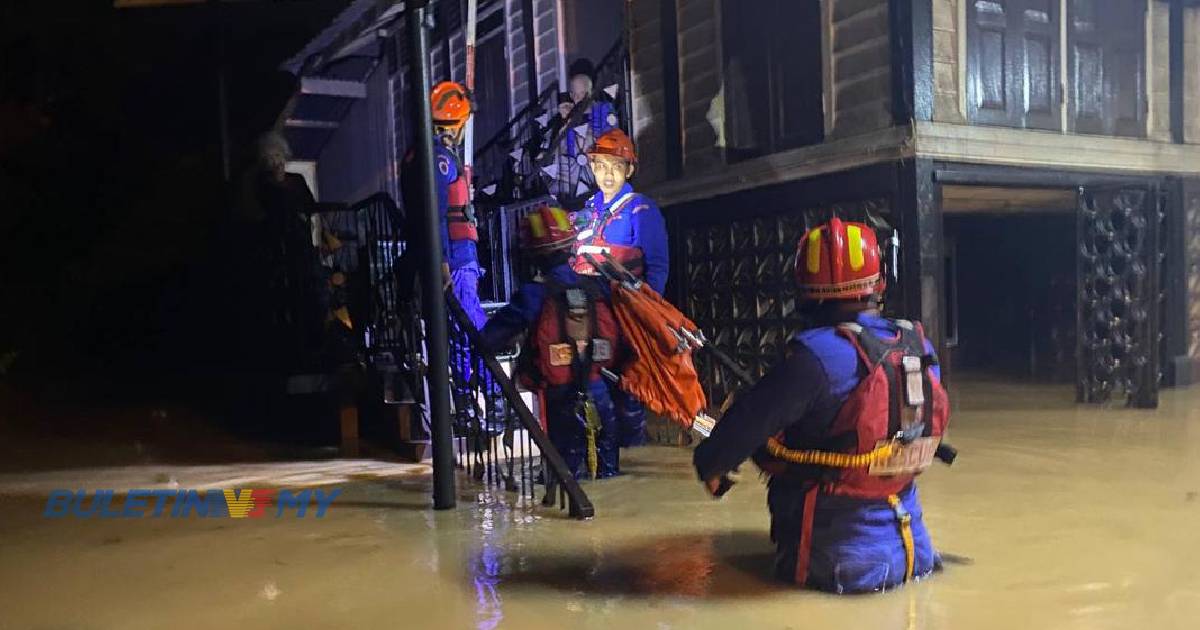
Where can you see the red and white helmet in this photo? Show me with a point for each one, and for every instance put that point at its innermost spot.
(837, 261)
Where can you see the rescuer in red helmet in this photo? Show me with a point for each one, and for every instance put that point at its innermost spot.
(570, 334)
(842, 426)
(627, 226)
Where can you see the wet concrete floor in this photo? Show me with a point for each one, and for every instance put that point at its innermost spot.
(1055, 516)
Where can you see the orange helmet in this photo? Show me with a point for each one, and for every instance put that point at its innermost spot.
(614, 142)
(545, 230)
(838, 261)
(451, 105)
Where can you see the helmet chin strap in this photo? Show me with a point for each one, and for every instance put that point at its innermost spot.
(450, 133)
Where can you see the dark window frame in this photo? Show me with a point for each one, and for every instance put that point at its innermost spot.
(1018, 25)
(1115, 42)
(1100, 43)
(778, 69)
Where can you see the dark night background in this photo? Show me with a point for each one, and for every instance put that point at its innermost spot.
(114, 205)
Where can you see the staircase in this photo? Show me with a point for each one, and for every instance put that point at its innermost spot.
(522, 162)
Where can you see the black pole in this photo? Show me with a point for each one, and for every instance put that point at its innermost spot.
(437, 343)
(218, 13)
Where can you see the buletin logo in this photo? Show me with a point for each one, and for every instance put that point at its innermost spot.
(235, 503)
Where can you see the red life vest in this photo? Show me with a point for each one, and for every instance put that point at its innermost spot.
(592, 242)
(574, 336)
(899, 396)
(458, 196)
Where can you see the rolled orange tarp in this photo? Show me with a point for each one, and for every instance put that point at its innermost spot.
(661, 373)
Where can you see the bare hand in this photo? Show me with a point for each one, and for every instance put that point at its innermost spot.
(447, 280)
(718, 486)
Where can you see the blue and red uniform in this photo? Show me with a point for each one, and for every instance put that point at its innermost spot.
(632, 228)
(631, 225)
(565, 430)
(830, 540)
(459, 235)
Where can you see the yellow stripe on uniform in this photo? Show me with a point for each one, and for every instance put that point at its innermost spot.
(814, 251)
(537, 227)
(854, 236)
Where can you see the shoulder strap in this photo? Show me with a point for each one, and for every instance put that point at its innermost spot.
(606, 216)
(871, 349)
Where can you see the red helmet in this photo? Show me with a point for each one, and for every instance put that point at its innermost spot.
(838, 261)
(546, 230)
(451, 105)
(614, 142)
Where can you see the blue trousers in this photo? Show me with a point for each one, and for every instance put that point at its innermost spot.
(569, 435)
(631, 417)
(855, 544)
(465, 283)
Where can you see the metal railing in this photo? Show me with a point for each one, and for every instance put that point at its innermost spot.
(498, 439)
(509, 159)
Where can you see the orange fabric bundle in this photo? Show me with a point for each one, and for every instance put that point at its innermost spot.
(659, 374)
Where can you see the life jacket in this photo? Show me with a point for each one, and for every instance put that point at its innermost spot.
(591, 241)
(458, 198)
(574, 336)
(890, 426)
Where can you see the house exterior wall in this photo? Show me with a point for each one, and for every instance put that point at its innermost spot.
(1191, 79)
(699, 41)
(1158, 71)
(359, 159)
(950, 138)
(948, 66)
(519, 55)
(859, 67)
(546, 27)
(647, 91)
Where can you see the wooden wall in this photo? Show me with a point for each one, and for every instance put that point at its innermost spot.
(859, 67)
(646, 61)
(947, 63)
(699, 43)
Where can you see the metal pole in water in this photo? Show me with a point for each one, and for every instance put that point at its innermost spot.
(431, 270)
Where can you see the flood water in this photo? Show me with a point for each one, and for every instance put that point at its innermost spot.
(1055, 516)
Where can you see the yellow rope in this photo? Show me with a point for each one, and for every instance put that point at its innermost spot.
(834, 460)
(905, 522)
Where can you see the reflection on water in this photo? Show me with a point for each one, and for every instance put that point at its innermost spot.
(1055, 516)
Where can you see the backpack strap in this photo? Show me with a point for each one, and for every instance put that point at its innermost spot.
(873, 351)
(914, 341)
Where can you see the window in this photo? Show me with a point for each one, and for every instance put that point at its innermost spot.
(1015, 73)
(772, 76)
(1013, 63)
(1107, 67)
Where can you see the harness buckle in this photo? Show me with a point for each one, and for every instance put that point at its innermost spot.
(902, 515)
(914, 386)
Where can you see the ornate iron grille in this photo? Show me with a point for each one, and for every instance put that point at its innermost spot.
(1192, 269)
(739, 288)
(1120, 303)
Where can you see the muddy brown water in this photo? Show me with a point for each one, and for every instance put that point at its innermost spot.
(1055, 516)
